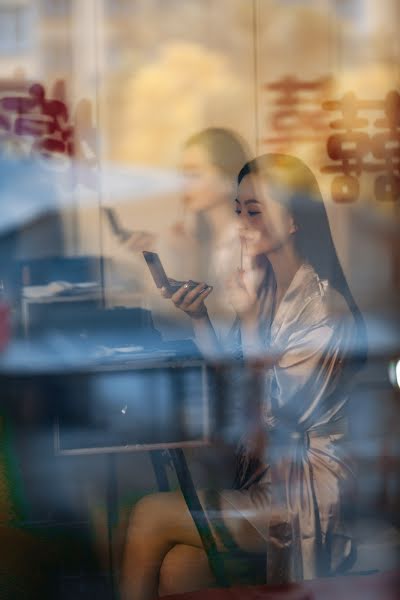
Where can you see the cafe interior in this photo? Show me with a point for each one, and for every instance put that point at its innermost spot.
(128, 239)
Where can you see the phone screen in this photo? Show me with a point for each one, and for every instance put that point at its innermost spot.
(156, 269)
(159, 275)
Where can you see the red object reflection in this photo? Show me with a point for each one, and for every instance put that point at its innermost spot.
(298, 114)
(355, 151)
(39, 124)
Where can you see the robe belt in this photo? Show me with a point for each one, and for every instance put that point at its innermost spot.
(282, 435)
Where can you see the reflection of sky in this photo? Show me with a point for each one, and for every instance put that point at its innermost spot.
(29, 191)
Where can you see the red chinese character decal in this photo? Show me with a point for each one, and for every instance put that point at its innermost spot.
(38, 126)
(354, 151)
(298, 114)
(386, 148)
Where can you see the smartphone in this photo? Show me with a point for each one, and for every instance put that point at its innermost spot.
(159, 275)
(121, 233)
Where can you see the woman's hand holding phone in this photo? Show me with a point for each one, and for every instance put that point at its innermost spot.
(189, 297)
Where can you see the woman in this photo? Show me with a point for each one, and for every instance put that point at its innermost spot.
(211, 160)
(199, 245)
(293, 474)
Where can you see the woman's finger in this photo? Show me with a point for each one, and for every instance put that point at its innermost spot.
(195, 305)
(132, 242)
(165, 293)
(145, 241)
(179, 295)
(140, 240)
(240, 278)
(193, 293)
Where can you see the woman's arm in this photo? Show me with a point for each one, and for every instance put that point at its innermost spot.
(205, 336)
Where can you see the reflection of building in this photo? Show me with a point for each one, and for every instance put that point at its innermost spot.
(34, 36)
(55, 38)
(38, 37)
(17, 36)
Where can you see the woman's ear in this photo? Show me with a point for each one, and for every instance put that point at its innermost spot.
(293, 227)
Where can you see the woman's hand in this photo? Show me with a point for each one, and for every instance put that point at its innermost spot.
(243, 294)
(140, 240)
(190, 299)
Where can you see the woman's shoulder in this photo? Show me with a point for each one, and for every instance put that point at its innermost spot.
(321, 302)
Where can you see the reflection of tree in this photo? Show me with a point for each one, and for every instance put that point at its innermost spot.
(185, 89)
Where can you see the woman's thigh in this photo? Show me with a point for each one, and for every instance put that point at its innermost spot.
(232, 511)
(185, 569)
(241, 546)
(238, 519)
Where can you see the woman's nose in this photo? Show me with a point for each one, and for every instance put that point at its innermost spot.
(243, 220)
(242, 228)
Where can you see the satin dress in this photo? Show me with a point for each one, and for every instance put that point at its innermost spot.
(297, 494)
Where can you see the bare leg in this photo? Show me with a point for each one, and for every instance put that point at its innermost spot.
(185, 569)
(158, 523)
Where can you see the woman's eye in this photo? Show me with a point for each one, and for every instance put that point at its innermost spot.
(253, 213)
(238, 212)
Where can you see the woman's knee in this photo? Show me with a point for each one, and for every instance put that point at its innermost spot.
(152, 512)
(184, 569)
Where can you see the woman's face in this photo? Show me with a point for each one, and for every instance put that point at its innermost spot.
(265, 225)
(205, 185)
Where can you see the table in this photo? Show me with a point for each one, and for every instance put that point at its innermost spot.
(107, 398)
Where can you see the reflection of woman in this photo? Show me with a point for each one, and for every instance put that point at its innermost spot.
(199, 245)
(293, 473)
(211, 160)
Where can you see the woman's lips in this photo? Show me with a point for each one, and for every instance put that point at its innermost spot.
(249, 238)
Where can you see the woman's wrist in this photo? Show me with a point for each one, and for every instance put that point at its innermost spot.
(200, 317)
(249, 319)
(205, 335)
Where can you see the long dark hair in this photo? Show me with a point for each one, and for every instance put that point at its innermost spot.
(293, 184)
(226, 150)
